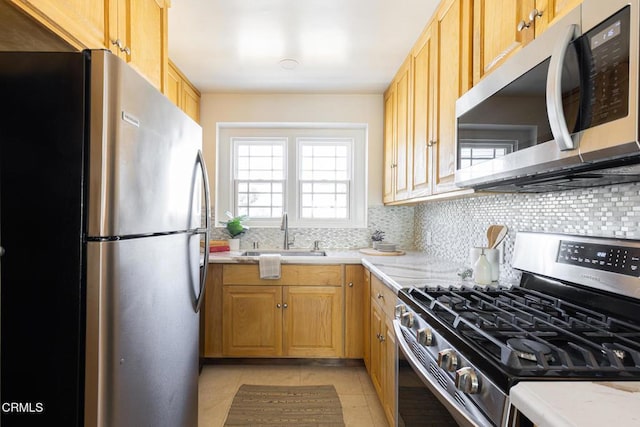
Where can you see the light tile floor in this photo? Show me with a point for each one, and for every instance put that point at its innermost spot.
(219, 383)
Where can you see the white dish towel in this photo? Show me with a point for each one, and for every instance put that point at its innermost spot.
(269, 266)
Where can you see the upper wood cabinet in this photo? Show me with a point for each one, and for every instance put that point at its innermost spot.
(438, 69)
(423, 114)
(397, 135)
(501, 27)
(137, 32)
(134, 30)
(81, 23)
(180, 90)
(452, 27)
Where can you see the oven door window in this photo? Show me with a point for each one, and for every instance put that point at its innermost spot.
(417, 406)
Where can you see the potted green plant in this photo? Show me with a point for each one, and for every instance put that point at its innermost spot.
(235, 228)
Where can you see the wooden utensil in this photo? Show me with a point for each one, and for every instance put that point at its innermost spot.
(490, 235)
(499, 236)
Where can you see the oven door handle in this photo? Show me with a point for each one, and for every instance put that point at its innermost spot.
(450, 404)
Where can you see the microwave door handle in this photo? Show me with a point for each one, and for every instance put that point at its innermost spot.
(206, 231)
(555, 111)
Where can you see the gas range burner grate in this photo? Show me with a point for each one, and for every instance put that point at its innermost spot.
(529, 331)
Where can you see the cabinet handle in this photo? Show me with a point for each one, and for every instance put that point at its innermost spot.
(431, 143)
(118, 43)
(381, 338)
(523, 25)
(126, 50)
(350, 284)
(379, 296)
(535, 13)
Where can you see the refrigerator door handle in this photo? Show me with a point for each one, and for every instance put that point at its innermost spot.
(206, 231)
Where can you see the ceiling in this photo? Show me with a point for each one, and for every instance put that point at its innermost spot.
(328, 46)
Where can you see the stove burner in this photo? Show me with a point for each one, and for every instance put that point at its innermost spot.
(527, 349)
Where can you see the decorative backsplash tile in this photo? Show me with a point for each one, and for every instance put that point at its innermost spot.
(395, 221)
(456, 225)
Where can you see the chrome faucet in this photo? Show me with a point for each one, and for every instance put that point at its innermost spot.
(284, 226)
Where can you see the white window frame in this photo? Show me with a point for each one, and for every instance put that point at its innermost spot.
(236, 143)
(224, 190)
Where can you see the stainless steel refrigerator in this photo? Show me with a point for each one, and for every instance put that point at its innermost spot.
(102, 182)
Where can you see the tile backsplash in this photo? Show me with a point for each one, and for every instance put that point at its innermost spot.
(395, 221)
(448, 229)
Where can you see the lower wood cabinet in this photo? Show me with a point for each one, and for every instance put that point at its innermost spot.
(299, 315)
(382, 363)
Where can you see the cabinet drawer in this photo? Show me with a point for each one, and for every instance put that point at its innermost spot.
(383, 295)
(298, 275)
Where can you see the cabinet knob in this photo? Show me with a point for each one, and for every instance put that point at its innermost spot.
(523, 25)
(431, 143)
(350, 284)
(535, 13)
(382, 339)
(278, 305)
(379, 296)
(126, 50)
(285, 305)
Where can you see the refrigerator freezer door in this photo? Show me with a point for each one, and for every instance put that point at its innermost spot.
(143, 172)
(142, 332)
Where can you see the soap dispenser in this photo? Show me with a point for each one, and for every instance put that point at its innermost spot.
(482, 270)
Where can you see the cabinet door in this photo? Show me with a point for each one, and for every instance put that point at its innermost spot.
(354, 294)
(252, 321)
(452, 28)
(81, 23)
(377, 324)
(497, 34)
(403, 135)
(423, 135)
(389, 371)
(389, 145)
(550, 11)
(173, 89)
(191, 101)
(313, 321)
(366, 319)
(140, 28)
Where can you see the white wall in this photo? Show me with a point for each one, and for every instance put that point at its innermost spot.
(349, 108)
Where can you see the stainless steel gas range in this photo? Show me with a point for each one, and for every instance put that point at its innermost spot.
(574, 317)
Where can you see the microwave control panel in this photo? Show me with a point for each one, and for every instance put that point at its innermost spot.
(617, 259)
(606, 57)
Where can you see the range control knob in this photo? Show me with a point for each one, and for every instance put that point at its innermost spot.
(424, 337)
(448, 360)
(400, 310)
(407, 319)
(467, 381)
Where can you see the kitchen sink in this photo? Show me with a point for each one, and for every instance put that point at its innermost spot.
(284, 252)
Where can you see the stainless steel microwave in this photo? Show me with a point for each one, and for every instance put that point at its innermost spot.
(562, 113)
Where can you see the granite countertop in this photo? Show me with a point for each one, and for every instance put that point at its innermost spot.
(578, 404)
(412, 268)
